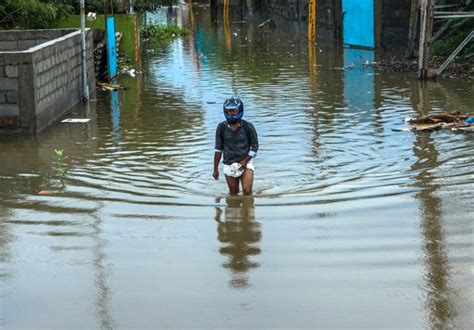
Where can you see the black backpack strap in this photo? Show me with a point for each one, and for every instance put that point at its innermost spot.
(222, 129)
(246, 129)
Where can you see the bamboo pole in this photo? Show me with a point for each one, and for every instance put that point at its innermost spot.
(426, 31)
(312, 20)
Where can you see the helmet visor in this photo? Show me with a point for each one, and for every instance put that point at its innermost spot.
(232, 111)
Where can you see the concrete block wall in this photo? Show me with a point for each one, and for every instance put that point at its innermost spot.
(394, 16)
(40, 84)
(395, 22)
(288, 9)
(58, 77)
(29, 38)
(9, 89)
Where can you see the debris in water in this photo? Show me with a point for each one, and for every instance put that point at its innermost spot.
(454, 121)
(444, 117)
(403, 129)
(131, 73)
(76, 120)
(108, 87)
(268, 22)
(47, 192)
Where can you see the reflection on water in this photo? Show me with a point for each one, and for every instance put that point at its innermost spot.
(115, 110)
(103, 292)
(439, 291)
(356, 217)
(240, 235)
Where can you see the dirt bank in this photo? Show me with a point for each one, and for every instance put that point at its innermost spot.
(464, 69)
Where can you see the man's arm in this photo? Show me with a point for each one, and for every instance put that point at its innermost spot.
(217, 159)
(219, 146)
(253, 142)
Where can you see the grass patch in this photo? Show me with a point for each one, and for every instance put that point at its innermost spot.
(123, 23)
(158, 35)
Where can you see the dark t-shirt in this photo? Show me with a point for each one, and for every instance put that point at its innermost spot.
(236, 145)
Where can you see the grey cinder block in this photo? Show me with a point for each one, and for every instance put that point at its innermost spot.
(25, 44)
(9, 110)
(12, 97)
(11, 71)
(8, 84)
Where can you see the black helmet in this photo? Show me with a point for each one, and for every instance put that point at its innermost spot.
(234, 103)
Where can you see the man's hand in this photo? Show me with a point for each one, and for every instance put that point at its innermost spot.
(215, 174)
(244, 162)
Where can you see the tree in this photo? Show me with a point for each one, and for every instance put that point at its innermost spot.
(32, 14)
(152, 5)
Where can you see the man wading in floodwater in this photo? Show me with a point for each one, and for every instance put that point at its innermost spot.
(238, 140)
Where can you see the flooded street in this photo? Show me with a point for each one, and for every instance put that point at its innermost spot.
(350, 225)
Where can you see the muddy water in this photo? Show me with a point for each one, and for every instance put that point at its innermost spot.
(351, 224)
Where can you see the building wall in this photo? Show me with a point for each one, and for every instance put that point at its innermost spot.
(39, 84)
(296, 9)
(12, 84)
(288, 9)
(16, 41)
(395, 23)
(393, 20)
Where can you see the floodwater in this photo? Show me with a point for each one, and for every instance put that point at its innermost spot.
(351, 225)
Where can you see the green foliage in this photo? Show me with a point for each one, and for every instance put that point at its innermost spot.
(58, 154)
(32, 14)
(97, 6)
(158, 34)
(61, 167)
(152, 5)
(457, 32)
(101, 6)
(123, 23)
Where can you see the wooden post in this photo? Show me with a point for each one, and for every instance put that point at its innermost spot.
(426, 31)
(337, 19)
(227, 31)
(414, 14)
(378, 24)
(312, 20)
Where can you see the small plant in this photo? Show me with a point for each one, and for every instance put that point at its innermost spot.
(53, 181)
(61, 168)
(59, 154)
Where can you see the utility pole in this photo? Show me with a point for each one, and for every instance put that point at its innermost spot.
(85, 87)
(426, 31)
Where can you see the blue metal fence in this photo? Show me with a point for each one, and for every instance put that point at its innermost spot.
(358, 23)
(111, 47)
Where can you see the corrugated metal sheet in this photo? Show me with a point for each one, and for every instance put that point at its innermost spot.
(358, 23)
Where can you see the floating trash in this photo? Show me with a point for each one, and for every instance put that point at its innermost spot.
(454, 121)
(47, 192)
(76, 120)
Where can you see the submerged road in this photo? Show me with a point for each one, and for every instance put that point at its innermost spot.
(351, 224)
